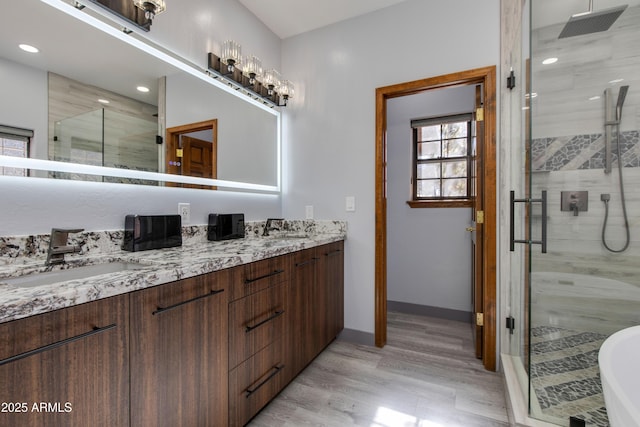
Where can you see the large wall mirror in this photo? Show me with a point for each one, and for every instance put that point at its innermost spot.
(79, 95)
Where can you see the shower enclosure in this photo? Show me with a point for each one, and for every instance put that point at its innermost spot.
(107, 138)
(573, 122)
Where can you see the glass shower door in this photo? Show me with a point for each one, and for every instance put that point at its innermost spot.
(584, 115)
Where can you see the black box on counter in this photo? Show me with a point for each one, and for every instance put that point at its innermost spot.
(145, 232)
(225, 226)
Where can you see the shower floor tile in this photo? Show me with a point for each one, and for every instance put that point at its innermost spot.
(565, 375)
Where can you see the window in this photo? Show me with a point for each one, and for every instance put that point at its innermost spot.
(14, 142)
(442, 148)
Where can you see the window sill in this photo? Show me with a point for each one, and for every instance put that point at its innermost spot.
(440, 203)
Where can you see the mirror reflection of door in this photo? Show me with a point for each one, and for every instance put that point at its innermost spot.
(191, 150)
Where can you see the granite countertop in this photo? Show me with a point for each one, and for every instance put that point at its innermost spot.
(154, 267)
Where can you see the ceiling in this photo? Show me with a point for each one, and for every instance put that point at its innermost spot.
(312, 14)
(288, 18)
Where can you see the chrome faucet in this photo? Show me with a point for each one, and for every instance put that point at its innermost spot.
(268, 226)
(58, 245)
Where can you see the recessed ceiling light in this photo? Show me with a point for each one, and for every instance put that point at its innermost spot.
(103, 101)
(616, 81)
(29, 48)
(550, 61)
(593, 98)
(143, 89)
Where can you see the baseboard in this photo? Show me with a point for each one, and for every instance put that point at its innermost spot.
(425, 310)
(357, 337)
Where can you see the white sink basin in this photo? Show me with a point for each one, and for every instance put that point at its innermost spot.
(84, 272)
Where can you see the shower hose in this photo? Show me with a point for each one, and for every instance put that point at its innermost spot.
(624, 203)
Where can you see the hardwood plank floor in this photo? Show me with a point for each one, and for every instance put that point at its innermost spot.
(426, 376)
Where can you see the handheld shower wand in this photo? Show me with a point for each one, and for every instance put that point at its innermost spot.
(622, 94)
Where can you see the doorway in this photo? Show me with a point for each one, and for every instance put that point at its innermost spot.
(484, 203)
(192, 151)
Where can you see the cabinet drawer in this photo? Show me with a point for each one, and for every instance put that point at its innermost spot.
(259, 275)
(256, 321)
(255, 382)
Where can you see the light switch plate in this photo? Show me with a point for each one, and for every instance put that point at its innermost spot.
(350, 203)
(308, 211)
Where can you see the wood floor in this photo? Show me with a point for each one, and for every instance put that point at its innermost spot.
(426, 376)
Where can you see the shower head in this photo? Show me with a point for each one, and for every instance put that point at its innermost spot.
(622, 94)
(591, 22)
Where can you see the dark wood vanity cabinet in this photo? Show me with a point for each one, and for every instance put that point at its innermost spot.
(331, 283)
(67, 367)
(210, 350)
(179, 358)
(316, 302)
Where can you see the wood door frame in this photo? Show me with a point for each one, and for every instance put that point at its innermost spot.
(173, 133)
(487, 77)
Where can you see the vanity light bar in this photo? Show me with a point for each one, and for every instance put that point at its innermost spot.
(53, 166)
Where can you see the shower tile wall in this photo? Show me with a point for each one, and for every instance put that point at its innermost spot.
(567, 154)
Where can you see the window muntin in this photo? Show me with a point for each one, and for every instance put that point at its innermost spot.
(442, 158)
(14, 146)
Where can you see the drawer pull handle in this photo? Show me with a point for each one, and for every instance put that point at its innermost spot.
(337, 251)
(273, 273)
(300, 264)
(268, 319)
(276, 370)
(171, 307)
(95, 331)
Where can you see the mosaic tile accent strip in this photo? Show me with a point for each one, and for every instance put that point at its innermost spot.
(565, 376)
(561, 153)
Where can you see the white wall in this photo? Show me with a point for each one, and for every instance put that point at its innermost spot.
(192, 28)
(24, 94)
(428, 250)
(329, 128)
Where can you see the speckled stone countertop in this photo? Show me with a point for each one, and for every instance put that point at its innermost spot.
(26, 254)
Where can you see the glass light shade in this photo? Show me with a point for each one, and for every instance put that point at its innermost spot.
(286, 89)
(151, 7)
(231, 52)
(252, 65)
(271, 79)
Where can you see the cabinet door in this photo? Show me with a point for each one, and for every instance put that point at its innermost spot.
(303, 308)
(68, 367)
(331, 281)
(179, 357)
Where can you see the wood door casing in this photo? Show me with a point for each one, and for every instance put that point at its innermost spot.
(487, 77)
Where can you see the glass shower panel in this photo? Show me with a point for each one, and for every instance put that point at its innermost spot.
(580, 291)
(78, 139)
(130, 142)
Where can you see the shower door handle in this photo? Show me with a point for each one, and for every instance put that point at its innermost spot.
(543, 226)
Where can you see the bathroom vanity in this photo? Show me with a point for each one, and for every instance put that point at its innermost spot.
(159, 346)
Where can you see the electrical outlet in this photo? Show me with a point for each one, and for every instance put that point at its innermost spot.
(308, 211)
(184, 210)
